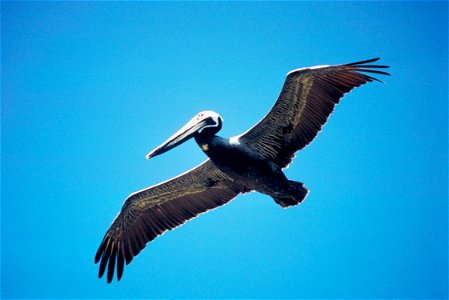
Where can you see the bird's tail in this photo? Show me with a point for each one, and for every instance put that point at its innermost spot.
(296, 194)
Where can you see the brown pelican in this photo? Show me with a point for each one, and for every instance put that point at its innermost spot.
(251, 161)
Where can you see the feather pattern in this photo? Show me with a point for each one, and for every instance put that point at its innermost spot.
(307, 98)
(149, 213)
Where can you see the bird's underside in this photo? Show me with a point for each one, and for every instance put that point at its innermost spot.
(251, 161)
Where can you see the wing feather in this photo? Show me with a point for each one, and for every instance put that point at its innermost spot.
(306, 101)
(150, 212)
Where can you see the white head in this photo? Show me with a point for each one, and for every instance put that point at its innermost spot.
(211, 118)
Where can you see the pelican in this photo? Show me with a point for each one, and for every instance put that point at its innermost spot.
(252, 161)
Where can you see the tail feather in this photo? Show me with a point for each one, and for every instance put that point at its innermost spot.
(296, 194)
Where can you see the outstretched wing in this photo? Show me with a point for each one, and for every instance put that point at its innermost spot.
(308, 97)
(148, 213)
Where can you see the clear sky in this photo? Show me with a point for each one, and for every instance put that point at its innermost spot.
(89, 88)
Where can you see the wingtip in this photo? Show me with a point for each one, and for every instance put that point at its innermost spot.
(365, 64)
(362, 62)
(98, 255)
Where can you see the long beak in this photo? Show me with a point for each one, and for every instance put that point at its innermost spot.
(183, 134)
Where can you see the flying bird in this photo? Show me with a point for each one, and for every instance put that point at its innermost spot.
(252, 161)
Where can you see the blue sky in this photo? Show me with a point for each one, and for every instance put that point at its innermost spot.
(89, 88)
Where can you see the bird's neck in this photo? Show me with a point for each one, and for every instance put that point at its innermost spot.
(207, 142)
(203, 139)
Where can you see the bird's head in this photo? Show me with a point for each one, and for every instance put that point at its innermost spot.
(204, 125)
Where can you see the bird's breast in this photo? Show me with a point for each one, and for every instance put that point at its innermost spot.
(236, 159)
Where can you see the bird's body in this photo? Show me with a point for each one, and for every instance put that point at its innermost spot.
(252, 161)
(250, 170)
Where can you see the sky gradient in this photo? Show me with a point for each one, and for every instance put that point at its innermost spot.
(89, 88)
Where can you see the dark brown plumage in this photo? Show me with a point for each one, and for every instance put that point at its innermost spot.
(251, 161)
(307, 98)
(149, 213)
